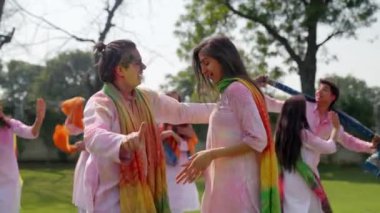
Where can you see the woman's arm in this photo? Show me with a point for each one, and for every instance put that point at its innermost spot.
(25, 131)
(318, 144)
(40, 115)
(170, 133)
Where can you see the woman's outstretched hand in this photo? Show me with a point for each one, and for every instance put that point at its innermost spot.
(195, 167)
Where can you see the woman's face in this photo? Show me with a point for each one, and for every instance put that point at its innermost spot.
(210, 68)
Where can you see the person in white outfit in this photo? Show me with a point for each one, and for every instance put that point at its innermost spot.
(298, 150)
(179, 142)
(10, 182)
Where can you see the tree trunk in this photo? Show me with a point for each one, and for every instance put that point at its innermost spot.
(307, 74)
(308, 67)
(2, 2)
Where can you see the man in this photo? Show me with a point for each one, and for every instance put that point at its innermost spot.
(317, 116)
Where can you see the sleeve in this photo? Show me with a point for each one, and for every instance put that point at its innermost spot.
(242, 104)
(99, 114)
(169, 110)
(318, 144)
(273, 105)
(21, 130)
(354, 144)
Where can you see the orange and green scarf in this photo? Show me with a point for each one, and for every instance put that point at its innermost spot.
(143, 179)
(269, 188)
(312, 181)
(171, 147)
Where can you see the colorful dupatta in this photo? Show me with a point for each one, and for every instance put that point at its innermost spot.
(171, 147)
(143, 179)
(314, 183)
(269, 188)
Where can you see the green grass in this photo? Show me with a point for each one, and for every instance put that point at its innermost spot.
(349, 189)
(47, 189)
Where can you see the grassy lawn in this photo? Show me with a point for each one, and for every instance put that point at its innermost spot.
(351, 190)
(47, 188)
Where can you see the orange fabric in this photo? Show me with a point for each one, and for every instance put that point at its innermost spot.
(174, 146)
(191, 143)
(61, 139)
(73, 109)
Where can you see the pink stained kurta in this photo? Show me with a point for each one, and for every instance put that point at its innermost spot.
(10, 187)
(232, 183)
(322, 126)
(298, 197)
(78, 183)
(103, 140)
(79, 196)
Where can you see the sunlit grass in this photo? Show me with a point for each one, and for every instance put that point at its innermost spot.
(48, 188)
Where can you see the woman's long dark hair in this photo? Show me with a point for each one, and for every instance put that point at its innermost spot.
(224, 51)
(288, 133)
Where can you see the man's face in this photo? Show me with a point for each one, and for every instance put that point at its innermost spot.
(133, 74)
(324, 94)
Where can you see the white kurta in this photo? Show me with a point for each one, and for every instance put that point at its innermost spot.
(103, 140)
(182, 197)
(10, 187)
(298, 197)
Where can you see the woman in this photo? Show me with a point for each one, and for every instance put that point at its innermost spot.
(10, 186)
(239, 162)
(125, 171)
(298, 150)
(179, 144)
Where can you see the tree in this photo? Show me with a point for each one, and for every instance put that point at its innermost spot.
(5, 38)
(110, 8)
(67, 75)
(182, 82)
(16, 82)
(276, 28)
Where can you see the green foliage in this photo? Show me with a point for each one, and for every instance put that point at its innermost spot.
(67, 75)
(274, 29)
(17, 80)
(182, 82)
